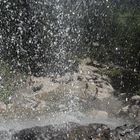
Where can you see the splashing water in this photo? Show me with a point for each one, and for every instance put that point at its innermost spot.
(70, 98)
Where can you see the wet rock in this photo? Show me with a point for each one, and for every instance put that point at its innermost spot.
(85, 90)
(73, 131)
(124, 111)
(89, 78)
(122, 96)
(131, 112)
(37, 88)
(126, 132)
(98, 65)
(105, 78)
(92, 131)
(47, 132)
(134, 111)
(70, 132)
(79, 78)
(64, 79)
(40, 106)
(86, 61)
(2, 107)
(135, 99)
(4, 135)
(137, 129)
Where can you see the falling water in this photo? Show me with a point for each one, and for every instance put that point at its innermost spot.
(72, 105)
(68, 35)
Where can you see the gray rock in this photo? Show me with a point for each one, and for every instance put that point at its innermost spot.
(73, 131)
(135, 99)
(37, 88)
(122, 95)
(70, 132)
(124, 111)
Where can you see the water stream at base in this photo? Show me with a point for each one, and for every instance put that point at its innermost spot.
(59, 119)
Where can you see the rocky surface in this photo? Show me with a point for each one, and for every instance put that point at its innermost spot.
(73, 131)
(85, 98)
(85, 91)
(131, 110)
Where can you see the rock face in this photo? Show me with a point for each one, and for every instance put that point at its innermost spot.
(132, 109)
(85, 91)
(73, 131)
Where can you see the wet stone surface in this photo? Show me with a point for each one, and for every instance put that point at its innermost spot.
(74, 131)
(83, 91)
(84, 98)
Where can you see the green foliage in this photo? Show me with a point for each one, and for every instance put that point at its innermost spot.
(119, 41)
(114, 72)
(127, 38)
